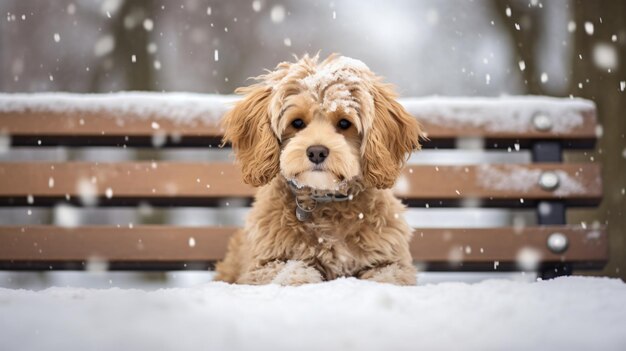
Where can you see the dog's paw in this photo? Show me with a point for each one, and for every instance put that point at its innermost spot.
(392, 273)
(282, 273)
(297, 273)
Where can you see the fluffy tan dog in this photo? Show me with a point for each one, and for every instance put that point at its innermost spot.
(324, 142)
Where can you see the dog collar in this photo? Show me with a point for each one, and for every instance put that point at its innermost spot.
(303, 211)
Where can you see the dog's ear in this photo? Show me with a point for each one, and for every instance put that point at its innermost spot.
(247, 128)
(393, 135)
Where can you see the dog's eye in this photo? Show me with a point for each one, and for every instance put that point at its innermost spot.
(344, 124)
(297, 123)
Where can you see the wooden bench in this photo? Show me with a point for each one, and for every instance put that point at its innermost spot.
(545, 126)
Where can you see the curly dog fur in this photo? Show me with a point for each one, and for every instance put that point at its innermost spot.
(343, 107)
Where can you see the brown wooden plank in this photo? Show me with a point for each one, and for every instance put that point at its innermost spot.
(126, 180)
(445, 246)
(201, 183)
(437, 248)
(437, 127)
(579, 183)
(110, 128)
(101, 128)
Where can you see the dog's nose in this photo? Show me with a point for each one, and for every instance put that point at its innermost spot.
(317, 153)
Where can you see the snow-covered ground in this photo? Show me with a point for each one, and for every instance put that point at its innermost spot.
(573, 313)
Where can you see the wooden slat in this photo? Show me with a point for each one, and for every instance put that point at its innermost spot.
(183, 183)
(586, 130)
(161, 247)
(102, 128)
(488, 245)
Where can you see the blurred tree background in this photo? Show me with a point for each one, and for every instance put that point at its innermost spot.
(596, 73)
(457, 48)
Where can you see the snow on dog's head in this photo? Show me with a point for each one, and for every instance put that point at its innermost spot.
(321, 125)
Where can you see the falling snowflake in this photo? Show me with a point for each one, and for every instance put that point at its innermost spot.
(545, 208)
(145, 209)
(277, 14)
(66, 216)
(402, 185)
(455, 255)
(104, 45)
(605, 56)
(148, 24)
(599, 131)
(528, 258)
(151, 48)
(571, 26)
(87, 192)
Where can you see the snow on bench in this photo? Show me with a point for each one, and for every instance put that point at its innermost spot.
(181, 108)
(503, 114)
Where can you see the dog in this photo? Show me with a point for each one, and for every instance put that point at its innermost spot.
(324, 142)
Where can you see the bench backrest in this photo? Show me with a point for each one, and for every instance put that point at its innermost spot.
(545, 126)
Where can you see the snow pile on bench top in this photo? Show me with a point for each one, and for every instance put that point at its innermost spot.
(504, 114)
(571, 313)
(182, 108)
(501, 114)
